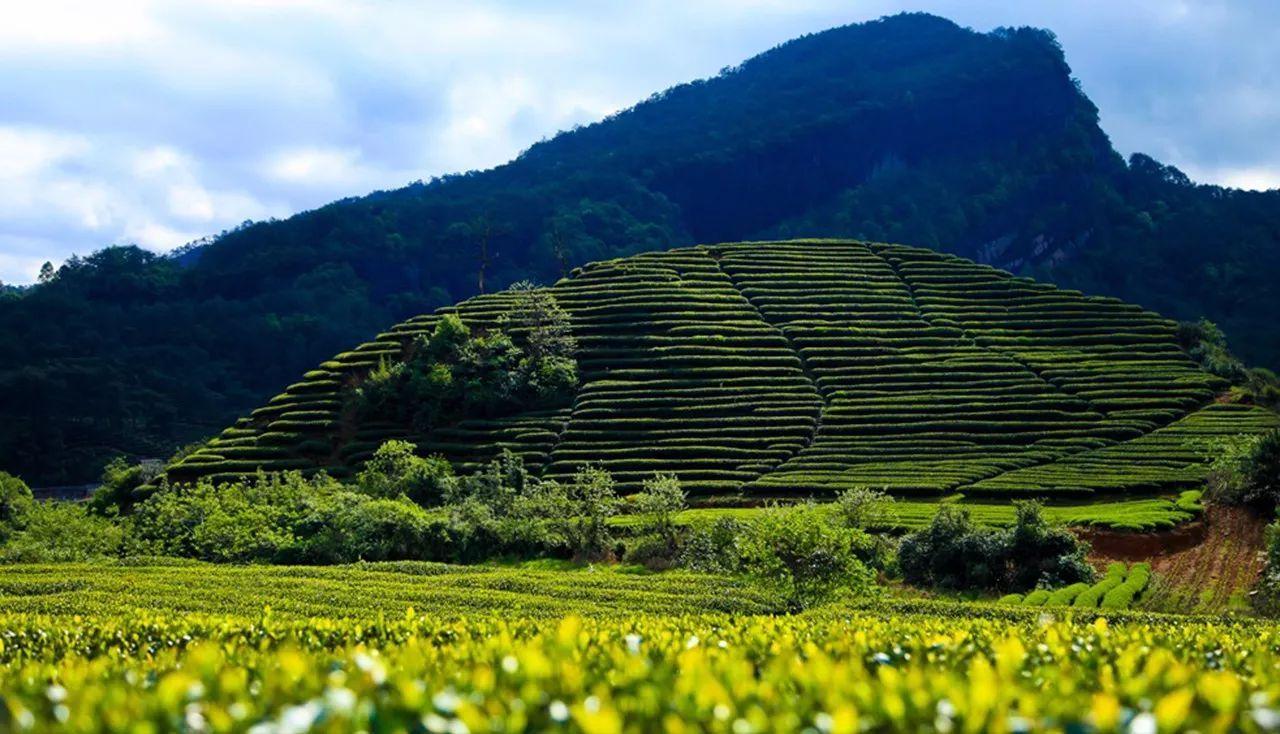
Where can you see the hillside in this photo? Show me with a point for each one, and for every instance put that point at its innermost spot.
(908, 129)
(805, 367)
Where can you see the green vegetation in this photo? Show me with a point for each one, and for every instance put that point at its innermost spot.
(1143, 515)
(1094, 595)
(910, 129)
(1119, 589)
(798, 369)
(953, 553)
(526, 361)
(1135, 582)
(933, 667)
(15, 502)
(365, 591)
(1246, 470)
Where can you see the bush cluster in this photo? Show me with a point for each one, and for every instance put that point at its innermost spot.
(454, 372)
(33, 531)
(288, 518)
(804, 555)
(954, 553)
(1246, 471)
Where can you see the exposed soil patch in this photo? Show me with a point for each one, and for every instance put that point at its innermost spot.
(1203, 567)
(1123, 545)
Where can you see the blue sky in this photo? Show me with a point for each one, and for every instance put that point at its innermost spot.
(161, 122)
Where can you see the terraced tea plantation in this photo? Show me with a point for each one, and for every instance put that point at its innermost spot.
(84, 663)
(796, 369)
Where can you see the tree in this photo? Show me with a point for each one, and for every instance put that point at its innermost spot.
(1247, 472)
(15, 502)
(482, 231)
(594, 501)
(395, 470)
(804, 557)
(863, 508)
(559, 247)
(47, 273)
(659, 503)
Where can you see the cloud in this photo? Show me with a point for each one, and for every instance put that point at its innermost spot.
(159, 121)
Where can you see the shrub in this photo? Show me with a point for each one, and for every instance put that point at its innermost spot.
(15, 502)
(1123, 595)
(1091, 597)
(864, 508)
(594, 502)
(454, 373)
(803, 557)
(650, 550)
(1036, 598)
(395, 470)
(383, 530)
(250, 520)
(62, 531)
(659, 503)
(1040, 554)
(715, 547)
(952, 552)
(1206, 344)
(120, 480)
(1266, 597)
(1067, 594)
(1247, 471)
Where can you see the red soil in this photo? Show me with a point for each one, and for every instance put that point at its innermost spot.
(1206, 566)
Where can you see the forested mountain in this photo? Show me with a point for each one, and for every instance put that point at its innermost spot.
(908, 129)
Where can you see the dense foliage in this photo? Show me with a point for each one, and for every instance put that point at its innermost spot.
(526, 361)
(878, 669)
(909, 129)
(1246, 470)
(954, 553)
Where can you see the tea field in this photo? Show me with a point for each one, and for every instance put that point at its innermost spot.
(96, 662)
(803, 368)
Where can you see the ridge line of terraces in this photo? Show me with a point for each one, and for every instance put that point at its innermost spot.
(805, 369)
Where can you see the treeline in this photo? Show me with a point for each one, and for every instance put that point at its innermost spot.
(406, 507)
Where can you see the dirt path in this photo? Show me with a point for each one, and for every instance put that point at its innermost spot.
(1204, 569)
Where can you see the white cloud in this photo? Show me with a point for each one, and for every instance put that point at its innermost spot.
(317, 167)
(158, 121)
(66, 23)
(1251, 178)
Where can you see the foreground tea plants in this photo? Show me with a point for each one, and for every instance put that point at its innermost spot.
(892, 668)
(365, 590)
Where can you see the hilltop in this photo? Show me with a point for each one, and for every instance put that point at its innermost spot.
(802, 368)
(908, 129)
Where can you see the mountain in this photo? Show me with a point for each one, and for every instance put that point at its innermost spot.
(789, 368)
(908, 129)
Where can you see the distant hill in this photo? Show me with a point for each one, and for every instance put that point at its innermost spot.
(908, 129)
(804, 367)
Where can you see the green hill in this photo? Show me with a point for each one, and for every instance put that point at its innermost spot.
(804, 367)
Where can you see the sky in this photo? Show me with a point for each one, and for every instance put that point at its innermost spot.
(158, 123)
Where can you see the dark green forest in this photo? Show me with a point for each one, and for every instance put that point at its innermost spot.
(910, 129)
